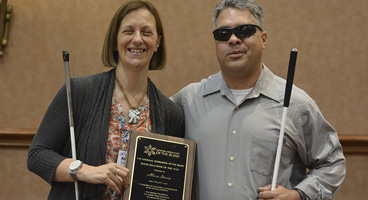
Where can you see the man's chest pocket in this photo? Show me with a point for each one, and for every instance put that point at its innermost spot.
(263, 154)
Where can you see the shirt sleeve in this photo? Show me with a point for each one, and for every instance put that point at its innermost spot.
(177, 98)
(51, 139)
(320, 150)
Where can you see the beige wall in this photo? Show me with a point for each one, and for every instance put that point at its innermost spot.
(332, 63)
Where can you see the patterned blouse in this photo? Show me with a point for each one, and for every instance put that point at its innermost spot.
(118, 138)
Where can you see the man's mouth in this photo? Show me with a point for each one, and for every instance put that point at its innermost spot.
(236, 54)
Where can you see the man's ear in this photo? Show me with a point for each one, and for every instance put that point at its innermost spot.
(264, 39)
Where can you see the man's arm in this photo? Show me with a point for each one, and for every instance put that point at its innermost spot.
(321, 152)
(177, 97)
(319, 149)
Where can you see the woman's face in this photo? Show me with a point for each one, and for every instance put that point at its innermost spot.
(137, 39)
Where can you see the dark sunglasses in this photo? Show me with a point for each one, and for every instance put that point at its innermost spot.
(242, 31)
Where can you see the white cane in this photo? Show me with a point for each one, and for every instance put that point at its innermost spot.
(70, 110)
(289, 85)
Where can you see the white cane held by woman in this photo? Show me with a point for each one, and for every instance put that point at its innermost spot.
(70, 111)
(289, 85)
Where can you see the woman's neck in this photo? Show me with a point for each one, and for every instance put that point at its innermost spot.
(130, 88)
(134, 82)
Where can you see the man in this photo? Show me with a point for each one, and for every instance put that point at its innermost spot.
(235, 117)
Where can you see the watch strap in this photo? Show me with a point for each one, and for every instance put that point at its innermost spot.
(74, 176)
(302, 195)
(73, 170)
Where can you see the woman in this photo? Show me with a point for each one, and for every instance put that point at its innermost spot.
(107, 106)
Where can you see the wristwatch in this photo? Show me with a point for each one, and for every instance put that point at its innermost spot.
(302, 195)
(74, 167)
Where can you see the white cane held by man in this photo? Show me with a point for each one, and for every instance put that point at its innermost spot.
(289, 86)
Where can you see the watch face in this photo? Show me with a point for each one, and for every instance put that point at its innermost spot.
(74, 165)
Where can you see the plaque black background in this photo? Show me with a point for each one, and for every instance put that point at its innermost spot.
(141, 171)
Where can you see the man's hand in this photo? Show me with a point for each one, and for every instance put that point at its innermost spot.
(279, 193)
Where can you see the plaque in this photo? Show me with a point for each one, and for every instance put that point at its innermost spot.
(161, 167)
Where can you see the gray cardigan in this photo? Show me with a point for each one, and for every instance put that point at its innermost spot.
(91, 99)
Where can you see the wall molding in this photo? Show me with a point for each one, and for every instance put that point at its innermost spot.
(16, 138)
(22, 138)
(356, 144)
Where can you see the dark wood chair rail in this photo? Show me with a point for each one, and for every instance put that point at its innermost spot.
(22, 138)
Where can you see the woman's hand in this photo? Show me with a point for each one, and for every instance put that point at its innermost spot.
(112, 174)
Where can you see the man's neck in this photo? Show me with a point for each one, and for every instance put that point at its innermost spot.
(242, 82)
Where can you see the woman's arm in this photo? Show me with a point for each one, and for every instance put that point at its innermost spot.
(112, 174)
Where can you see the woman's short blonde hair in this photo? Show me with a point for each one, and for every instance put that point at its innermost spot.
(110, 54)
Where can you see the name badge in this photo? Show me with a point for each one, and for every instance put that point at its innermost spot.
(122, 157)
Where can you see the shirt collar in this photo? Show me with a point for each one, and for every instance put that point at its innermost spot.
(265, 85)
(215, 83)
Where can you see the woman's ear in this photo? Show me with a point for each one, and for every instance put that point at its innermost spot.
(157, 43)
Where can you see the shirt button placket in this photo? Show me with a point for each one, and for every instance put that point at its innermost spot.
(231, 163)
(231, 166)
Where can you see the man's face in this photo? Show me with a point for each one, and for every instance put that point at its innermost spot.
(239, 57)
